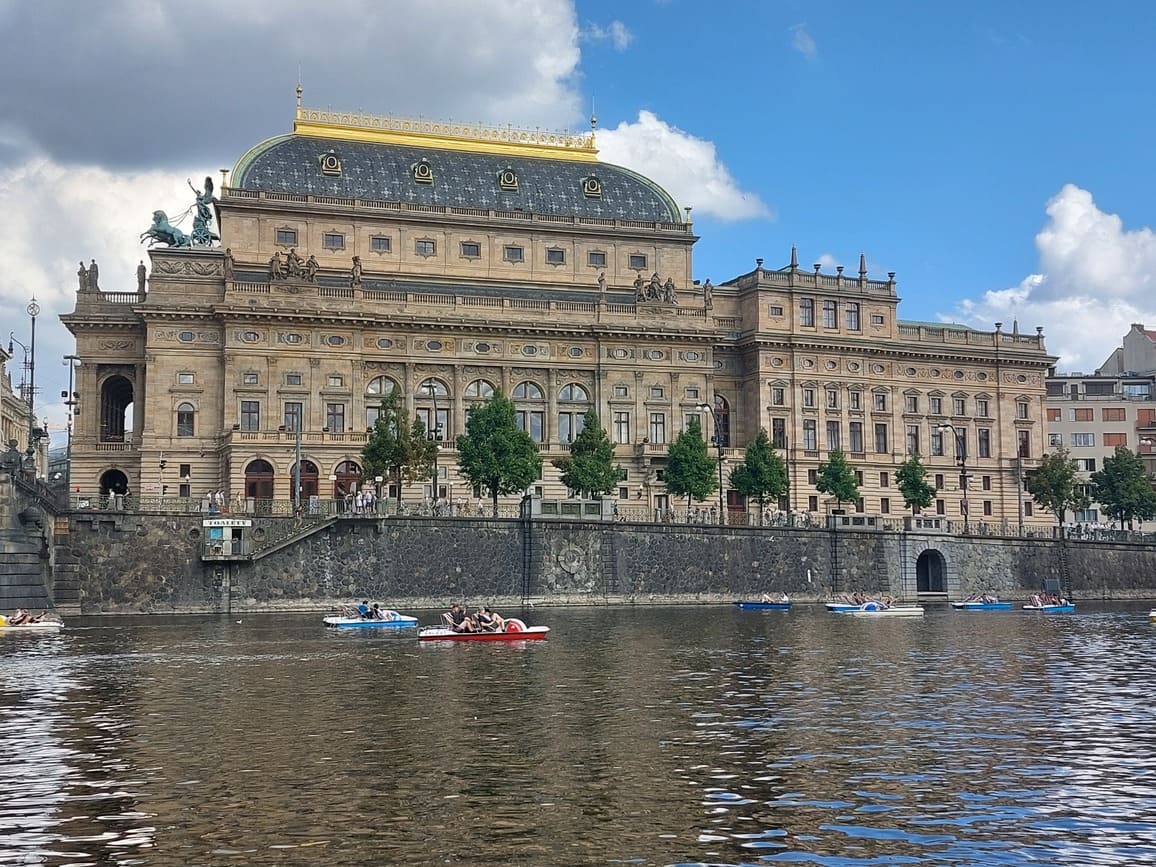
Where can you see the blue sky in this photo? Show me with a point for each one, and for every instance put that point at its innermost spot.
(996, 156)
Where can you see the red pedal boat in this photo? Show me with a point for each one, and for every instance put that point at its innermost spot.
(514, 630)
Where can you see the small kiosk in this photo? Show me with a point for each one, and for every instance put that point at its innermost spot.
(225, 538)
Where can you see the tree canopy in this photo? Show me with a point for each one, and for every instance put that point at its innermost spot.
(837, 478)
(590, 466)
(1123, 489)
(690, 470)
(1055, 486)
(762, 476)
(397, 446)
(911, 479)
(494, 454)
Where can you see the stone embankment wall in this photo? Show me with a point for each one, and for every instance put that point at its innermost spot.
(151, 564)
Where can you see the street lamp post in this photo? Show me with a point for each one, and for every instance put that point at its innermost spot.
(33, 311)
(430, 388)
(961, 456)
(71, 400)
(296, 464)
(706, 407)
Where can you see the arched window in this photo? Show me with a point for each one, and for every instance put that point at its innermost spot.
(433, 408)
(259, 480)
(571, 418)
(186, 413)
(722, 420)
(376, 391)
(348, 479)
(116, 400)
(532, 416)
(480, 388)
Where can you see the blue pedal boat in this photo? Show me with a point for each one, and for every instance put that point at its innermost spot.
(977, 605)
(763, 606)
(391, 620)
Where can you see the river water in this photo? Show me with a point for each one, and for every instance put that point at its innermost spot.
(646, 736)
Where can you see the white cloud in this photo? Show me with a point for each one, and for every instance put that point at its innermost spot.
(615, 32)
(1096, 278)
(803, 42)
(687, 167)
(829, 261)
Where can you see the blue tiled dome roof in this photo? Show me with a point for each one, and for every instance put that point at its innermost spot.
(463, 179)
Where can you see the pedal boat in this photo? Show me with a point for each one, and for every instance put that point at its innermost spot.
(514, 630)
(391, 620)
(752, 605)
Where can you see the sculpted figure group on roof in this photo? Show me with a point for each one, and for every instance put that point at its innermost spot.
(655, 289)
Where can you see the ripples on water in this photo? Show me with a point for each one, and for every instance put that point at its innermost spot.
(669, 736)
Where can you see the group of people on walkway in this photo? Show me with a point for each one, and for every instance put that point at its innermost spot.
(483, 620)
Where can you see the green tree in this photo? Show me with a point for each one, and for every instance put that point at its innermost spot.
(422, 451)
(837, 478)
(494, 454)
(911, 479)
(1054, 485)
(762, 475)
(690, 470)
(1123, 489)
(397, 447)
(590, 466)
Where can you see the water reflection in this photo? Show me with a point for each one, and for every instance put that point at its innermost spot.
(634, 736)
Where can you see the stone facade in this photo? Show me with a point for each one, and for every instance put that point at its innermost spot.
(233, 364)
(151, 564)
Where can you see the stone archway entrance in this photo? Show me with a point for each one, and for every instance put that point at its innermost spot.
(113, 482)
(348, 479)
(259, 480)
(931, 572)
(309, 479)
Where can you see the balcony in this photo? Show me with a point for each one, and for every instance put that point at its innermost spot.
(311, 438)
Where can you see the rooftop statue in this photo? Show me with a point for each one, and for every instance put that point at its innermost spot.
(164, 232)
(161, 231)
(202, 234)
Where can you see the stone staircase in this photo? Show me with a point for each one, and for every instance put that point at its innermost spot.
(22, 573)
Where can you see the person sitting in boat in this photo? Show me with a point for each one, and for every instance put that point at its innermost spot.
(458, 620)
(774, 597)
(19, 617)
(488, 621)
(363, 609)
(375, 612)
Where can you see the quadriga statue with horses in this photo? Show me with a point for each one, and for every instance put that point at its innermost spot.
(164, 232)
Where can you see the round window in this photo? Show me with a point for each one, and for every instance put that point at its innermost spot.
(1021, 378)
(876, 368)
(250, 336)
(384, 343)
(576, 352)
(934, 371)
(981, 376)
(776, 362)
(854, 365)
(186, 337)
(481, 347)
(619, 353)
(692, 355)
(335, 340)
(910, 371)
(529, 350)
(808, 363)
(293, 337)
(830, 365)
(655, 354)
(433, 345)
(958, 374)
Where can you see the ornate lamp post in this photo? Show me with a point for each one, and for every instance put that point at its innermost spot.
(297, 462)
(71, 400)
(706, 407)
(961, 456)
(434, 433)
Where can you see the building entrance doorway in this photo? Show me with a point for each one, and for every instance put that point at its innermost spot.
(259, 480)
(930, 573)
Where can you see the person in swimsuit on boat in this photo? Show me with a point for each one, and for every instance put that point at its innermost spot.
(458, 620)
(19, 617)
(774, 597)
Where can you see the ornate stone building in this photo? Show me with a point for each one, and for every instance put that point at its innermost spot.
(363, 254)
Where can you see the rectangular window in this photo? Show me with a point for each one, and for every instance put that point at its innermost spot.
(935, 406)
(287, 237)
(778, 396)
(294, 413)
(779, 433)
(637, 262)
(1053, 414)
(936, 442)
(856, 400)
(1084, 413)
(1081, 440)
(911, 403)
(1086, 465)
(623, 493)
(813, 503)
(884, 506)
(1024, 443)
(833, 441)
(555, 256)
(830, 315)
(807, 312)
(882, 441)
(513, 254)
(333, 241)
(658, 427)
(596, 258)
(913, 439)
(335, 417)
(249, 379)
(857, 437)
(657, 392)
(810, 435)
(812, 476)
(940, 507)
(876, 319)
(885, 480)
(1027, 508)
(532, 422)
(851, 315)
(335, 381)
(984, 442)
(809, 398)
(690, 418)
(250, 415)
(293, 379)
(620, 391)
(186, 379)
(959, 406)
(939, 481)
(985, 483)
(981, 408)
(621, 427)
(879, 399)
(987, 508)
(380, 244)
(569, 426)
(832, 399)
(425, 247)
(471, 250)
(1111, 440)
(1114, 413)
(776, 310)
(692, 394)
(1022, 410)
